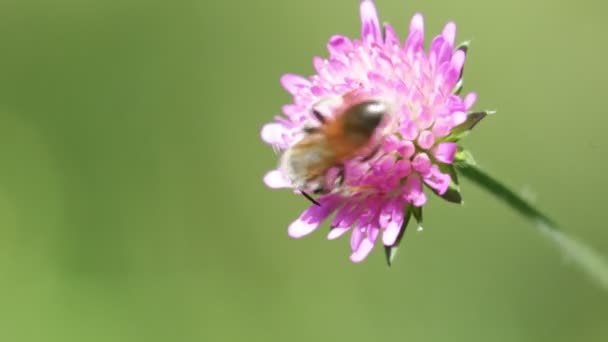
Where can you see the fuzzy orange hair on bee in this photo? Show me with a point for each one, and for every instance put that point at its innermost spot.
(336, 139)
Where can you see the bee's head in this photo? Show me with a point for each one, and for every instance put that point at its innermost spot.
(364, 117)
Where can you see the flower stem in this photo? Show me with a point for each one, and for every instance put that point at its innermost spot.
(586, 258)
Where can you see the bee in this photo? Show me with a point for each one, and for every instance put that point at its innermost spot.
(344, 136)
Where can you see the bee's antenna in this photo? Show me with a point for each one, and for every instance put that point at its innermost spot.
(310, 198)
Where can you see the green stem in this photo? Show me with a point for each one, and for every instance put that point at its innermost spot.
(591, 262)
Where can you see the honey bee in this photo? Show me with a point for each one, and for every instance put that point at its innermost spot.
(344, 136)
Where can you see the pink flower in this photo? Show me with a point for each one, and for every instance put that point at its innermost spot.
(418, 144)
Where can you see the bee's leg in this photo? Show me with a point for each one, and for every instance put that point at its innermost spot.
(308, 197)
(310, 129)
(320, 117)
(371, 154)
(341, 175)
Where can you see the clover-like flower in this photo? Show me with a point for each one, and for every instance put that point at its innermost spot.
(417, 146)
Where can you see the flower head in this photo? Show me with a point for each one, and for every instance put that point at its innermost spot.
(416, 146)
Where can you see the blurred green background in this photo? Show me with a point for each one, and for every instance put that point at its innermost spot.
(131, 201)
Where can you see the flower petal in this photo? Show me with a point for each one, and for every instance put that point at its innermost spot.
(442, 127)
(449, 32)
(406, 149)
(415, 40)
(272, 133)
(409, 130)
(413, 192)
(458, 59)
(346, 216)
(403, 168)
(390, 37)
(421, 163)
(440, 51)
(391, 219)
(426, 140)
(417, 24)
(437, 180)
(458, 118)
(444, 152)
(293, 83)
(335, 233)
(275, 180)
(373, 231)
(370, 26)
(312, 217)
(362, 251)
(356, 237)
(470, 100)
(339, 45)
(392, 230)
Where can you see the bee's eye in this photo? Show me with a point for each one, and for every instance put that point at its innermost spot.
(366, 116)
(372, 112)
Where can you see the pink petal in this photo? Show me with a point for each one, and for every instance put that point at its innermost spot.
(403, 168)
(346, 216)
(337, 67)
(363, 250)
(391, 232)
(293, 83)
(320, 64)
(458, 118)
(421, 163)
(449, 32)
(417, 24)
(458, 59)
(415, 40)
(370, 27)
(391, 219)
(335, 233)
(291, 110)
(406, 149)
(385, 164)
(373, 231)
(425, 118)
(275, 180)
(413, 191)
(272, 133)
(444, 152)
(339, 45)
(312, 217)
(390, 37)
(356, 237)
(409, 130)
(442, 127)
(440, 51)
(386, 214)
(426, 140)
(438, 180)
(470, 100)
(390, 144)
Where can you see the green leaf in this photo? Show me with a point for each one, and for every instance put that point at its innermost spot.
(594, 264)
(464, 156)
(458, 87)
(516, 202)
(390, 252)
(449, 168)
(417, 212)
(452, 195)
(472, 120)
(464, 46)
